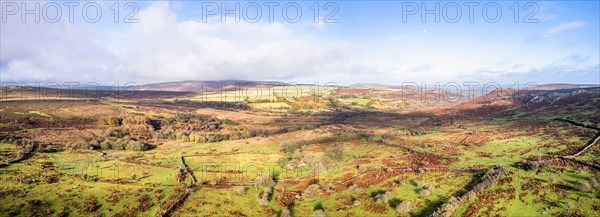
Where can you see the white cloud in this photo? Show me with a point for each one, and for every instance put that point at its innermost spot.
(573, 68)
(563, 27)
(161, 48)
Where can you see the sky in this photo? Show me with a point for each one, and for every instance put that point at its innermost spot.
(385, 42)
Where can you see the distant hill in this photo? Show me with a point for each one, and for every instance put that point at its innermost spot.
(369, 85)
(202, 86)
(546, 93)
(559, 86)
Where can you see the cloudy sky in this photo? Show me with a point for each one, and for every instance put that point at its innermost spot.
(360, 42)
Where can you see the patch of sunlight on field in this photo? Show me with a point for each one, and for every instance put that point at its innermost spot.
(503, 152)
(270, 93)
(534, 194)
(270, 105)
(8, 147)
(233, 159)
(223, 202)
(361, 101)
(40, 113)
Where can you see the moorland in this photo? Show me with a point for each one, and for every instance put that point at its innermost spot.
(305, 150)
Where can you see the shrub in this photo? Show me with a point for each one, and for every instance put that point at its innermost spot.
(135, 120)
(430, 188)
(326, 160)
(185, 138)
(585, 186)
(214, 137)
(168, 133)
(234, 136)
(309, 159)
(312, 191)
(265, 181)
(394, 202)
(282, 162)
(105, 145)
(404, 207)
(50, 179)
(594, 182)
(383, 197)
(80, 146)
(285, 213)
(141, 131)
(355, 187)
(117, 132)
(424, 192)
(263, 198)
(197, 138)
(214, 125)
(110, 121)
(335, 153)
(298, 155)
(135, 146)
(289, 146)
(118, 144)
(319, 213)
(570, 205)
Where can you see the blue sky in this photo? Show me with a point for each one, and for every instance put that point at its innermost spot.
(370, 43)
